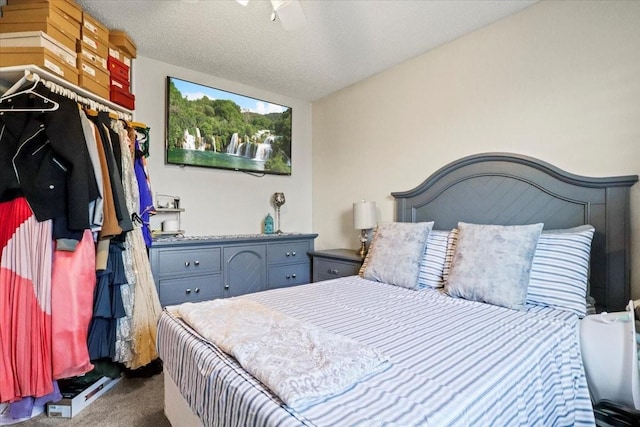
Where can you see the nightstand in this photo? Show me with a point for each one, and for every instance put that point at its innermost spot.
(334, 263)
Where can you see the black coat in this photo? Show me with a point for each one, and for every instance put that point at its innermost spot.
(44, 157)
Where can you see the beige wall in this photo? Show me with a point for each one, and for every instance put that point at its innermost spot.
(559, 81)
(220, 201)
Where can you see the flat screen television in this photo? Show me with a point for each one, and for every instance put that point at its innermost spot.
(213, 128)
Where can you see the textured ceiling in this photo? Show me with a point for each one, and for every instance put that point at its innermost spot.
(344, 41)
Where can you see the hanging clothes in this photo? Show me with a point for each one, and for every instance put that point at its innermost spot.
(102, 122)
(44, 157)
(144, 188)
(146, 304)
(107, 305)
(96, 208)
(25, 303)
(73, 281)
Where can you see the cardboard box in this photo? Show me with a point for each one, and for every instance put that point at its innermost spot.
(125, 99)
(71, 406)
(85, 81)
(39, 39)
(120, 85)
(118, 69)
(41, 57)
(119, 54)
(69, 11)
(46, 25)
(95, 28)
(88, 69)
(123, 41)
(87, 41)
(52, 16)
(93, 58)
(70, 7)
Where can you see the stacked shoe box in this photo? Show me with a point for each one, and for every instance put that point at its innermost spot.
(93, 50)
(122, 50)
(42, 33)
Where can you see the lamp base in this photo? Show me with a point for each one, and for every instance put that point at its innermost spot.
(363, 250)
(363, 244)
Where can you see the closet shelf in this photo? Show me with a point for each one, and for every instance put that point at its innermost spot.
(13, 73)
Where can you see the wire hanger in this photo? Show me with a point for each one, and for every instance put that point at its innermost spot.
(10, 94)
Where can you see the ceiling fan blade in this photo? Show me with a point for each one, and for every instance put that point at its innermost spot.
(289, 13)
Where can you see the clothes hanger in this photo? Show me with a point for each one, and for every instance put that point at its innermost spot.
(10, 94)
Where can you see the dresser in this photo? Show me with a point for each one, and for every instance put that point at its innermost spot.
(190, 269)
(334, 263)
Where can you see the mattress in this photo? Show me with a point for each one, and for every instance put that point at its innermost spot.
(453, 362)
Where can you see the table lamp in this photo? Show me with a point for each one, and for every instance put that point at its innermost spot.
(364, 219)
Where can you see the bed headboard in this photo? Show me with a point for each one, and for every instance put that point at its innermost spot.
(511, 189)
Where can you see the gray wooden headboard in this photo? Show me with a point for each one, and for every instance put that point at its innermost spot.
(511, 189)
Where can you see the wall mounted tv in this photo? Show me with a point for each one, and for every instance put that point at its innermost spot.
(213, 128)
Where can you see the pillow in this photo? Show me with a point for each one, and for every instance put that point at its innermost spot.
(560, 269)
(492, 263)
(432, 265)
(452, 241)
(396, 252)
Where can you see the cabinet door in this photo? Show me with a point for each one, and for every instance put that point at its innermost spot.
(245, 269)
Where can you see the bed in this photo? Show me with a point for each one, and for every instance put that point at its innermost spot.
(451, 361)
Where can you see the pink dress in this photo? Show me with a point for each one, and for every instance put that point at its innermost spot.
(25, 303)
(73, 283)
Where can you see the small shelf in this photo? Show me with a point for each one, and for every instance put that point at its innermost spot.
(168, 210)
(167, 207)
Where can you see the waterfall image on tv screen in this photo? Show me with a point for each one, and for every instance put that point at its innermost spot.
(213, 128)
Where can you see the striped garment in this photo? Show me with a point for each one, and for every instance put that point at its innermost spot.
(453, 362)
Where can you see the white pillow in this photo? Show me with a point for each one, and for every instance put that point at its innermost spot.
(560, 269)
(492, 263)
(396, 252)
(432, 266)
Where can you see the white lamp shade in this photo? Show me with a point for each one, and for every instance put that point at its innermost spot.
(364, 215)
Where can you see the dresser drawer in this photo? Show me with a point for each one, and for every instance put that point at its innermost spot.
(325, 269)
(279, 253)
(192, 289)
(288, 275)
(188, 261)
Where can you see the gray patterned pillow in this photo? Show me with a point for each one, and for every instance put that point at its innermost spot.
(492, 263)
(396, 252)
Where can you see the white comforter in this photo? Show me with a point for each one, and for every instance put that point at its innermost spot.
(298, 361)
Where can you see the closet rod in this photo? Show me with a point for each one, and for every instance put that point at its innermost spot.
(66, 92)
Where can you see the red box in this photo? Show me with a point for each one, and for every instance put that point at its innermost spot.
(118, 69)
(119, 84)
(123, 98)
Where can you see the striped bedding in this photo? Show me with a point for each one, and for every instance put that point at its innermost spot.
(453, 362)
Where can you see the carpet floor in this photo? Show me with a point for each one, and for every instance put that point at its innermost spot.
(133, 402)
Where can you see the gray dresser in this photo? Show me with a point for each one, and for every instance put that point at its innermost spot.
(190, 269)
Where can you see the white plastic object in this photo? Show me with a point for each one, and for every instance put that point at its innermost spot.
(610, 356)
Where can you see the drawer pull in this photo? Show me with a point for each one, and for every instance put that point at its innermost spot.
(187, 291)
(226, 286)
(288, 277)
(293, 275)
(187, 263)
(293, 253)
(333, 271)
(288, 254)
(196, 290)
(196, 263)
